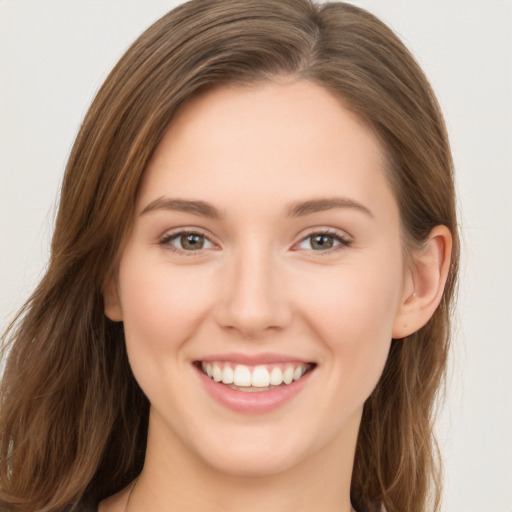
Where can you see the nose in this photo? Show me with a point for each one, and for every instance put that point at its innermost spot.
(253, 301)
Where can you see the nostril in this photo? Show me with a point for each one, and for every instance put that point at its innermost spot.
(254, 304)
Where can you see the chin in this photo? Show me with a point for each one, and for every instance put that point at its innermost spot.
(261, 450)
(253, 464)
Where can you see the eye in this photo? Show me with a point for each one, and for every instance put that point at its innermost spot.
(187, 241)
(323, 242)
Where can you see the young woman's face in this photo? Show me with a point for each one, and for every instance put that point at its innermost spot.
(266, 244)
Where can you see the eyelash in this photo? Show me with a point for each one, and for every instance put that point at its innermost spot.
(166, 240)
(344, 242)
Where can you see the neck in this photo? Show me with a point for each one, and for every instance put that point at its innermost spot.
(176, 479)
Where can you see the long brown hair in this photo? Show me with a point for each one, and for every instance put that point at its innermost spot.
(73, 420)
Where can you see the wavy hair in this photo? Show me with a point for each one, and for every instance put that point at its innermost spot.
(73, 422)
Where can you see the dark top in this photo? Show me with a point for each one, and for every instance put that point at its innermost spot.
(83, 507)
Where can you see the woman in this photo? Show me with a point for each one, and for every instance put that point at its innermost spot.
(252, 270)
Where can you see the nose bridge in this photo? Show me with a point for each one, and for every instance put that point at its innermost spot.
(254, 298)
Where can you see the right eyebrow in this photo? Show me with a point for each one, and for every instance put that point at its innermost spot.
(201, 208)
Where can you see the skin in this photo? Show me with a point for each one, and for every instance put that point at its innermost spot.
(259, 285)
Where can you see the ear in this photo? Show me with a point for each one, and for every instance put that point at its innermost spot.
(111, 302)
(424, 283)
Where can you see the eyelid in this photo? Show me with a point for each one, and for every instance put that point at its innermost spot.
(165, 239)
(342, 237)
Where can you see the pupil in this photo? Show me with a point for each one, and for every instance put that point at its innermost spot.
(193, 242)
(322, 242)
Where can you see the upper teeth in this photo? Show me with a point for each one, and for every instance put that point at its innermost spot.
(260, 376)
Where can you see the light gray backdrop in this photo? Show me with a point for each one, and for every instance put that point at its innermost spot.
(54, 54)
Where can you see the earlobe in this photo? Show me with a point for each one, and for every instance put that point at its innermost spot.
(428, 271)
(111, 302)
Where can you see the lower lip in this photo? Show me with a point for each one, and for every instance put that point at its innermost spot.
(256, 402)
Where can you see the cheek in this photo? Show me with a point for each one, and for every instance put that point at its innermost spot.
(161, 305)
(361, 299)
(352, 312)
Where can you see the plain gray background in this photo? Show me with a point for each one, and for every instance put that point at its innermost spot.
(54, 54)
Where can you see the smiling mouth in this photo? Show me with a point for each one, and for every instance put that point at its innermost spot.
(264, 377)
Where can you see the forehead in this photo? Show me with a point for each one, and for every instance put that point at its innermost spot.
(271, 141)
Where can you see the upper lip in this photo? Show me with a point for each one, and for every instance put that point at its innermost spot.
(254, 359)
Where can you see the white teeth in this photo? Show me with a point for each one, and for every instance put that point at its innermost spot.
(260, 377)
(276, 376)
(242, 376)
(227, 375)
(217, 373)
(288, 375)
(298, 373)
(207, 368)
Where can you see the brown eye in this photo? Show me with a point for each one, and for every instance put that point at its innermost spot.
(322, 242)
(186, 242)
(191, 241)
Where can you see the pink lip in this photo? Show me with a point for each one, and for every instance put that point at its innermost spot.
(253, 359)
(251, 403)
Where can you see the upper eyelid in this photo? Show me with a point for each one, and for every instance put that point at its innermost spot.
(344, 241)
(165, 239)
(170, 233)
(337, 233)
(334, 232)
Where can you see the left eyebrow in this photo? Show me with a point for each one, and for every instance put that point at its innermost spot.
(319, 205)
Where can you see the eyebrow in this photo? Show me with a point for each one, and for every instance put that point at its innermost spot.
(183, 205)
(297, 209)
(319, 205)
